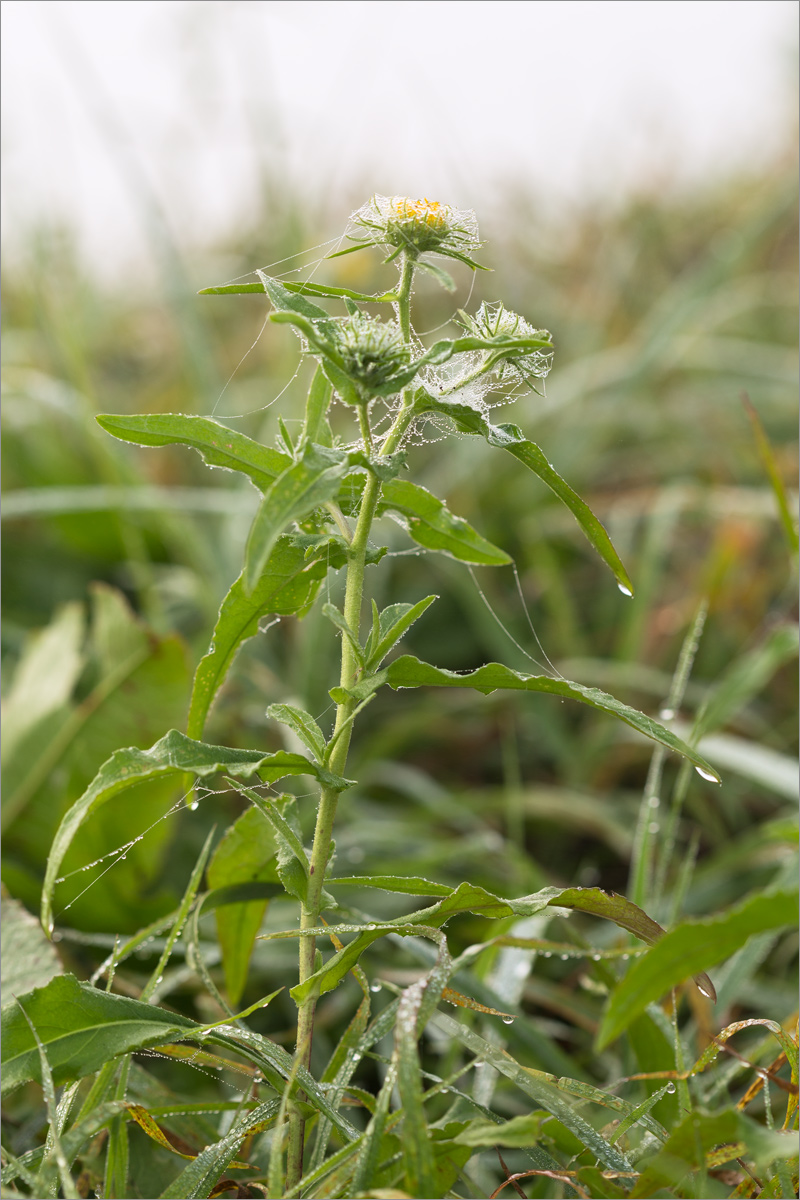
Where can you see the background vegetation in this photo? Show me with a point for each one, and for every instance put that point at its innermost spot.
(664, 313)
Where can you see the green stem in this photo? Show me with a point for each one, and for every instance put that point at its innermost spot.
(342, 731)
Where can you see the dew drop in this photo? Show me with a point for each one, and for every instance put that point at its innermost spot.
(667, 714)
(521, 970)
(356, 1058)
(626, 591)
(596, 957)
(704, 991)
(547, 954)
(670, 1087)
(707, 775)
(193, 807)
(625, 957)
(654, 801)
(376, 987)
(508, 1020)
(563, 957)
(653, 827)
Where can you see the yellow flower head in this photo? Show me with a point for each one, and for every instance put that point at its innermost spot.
(415, 227)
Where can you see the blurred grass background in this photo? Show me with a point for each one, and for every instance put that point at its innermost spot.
(663, 312)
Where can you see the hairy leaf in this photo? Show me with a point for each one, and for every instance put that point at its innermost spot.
(301, 488)
(288, 585)
(510, 438)
(173, 754)
(219, 446)
(431, 524)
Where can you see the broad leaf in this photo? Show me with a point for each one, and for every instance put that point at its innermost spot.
(219, 446)
(246, 854)
(174, 754)
(81, 1028)
(288, 585)
(509, 437)
(410, 672)
(688, 949)
(431, 524)
(466, 898)
(293, 495)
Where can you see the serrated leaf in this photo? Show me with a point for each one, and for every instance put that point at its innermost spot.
(509, 437)
(688, 949)
(219, 446)
(431, 524)
(245, 855)
(288, 585)
(173, 754)
(392, 624)
(293, 495)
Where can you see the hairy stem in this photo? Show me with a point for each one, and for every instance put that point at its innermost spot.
(326, 813)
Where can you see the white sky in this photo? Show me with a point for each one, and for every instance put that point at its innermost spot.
(453, 99)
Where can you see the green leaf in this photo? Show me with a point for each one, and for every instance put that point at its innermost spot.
(288, 585)
(389, 626)
(219, 446)
(420, 1169)
(410, 672)
(173, 754)
(704, 1132)
(509, 437)
(405, 885)
(336, 616)
(430, 523)
(199, 1176)
(770, 464)
(293, 495)
(316, 427)
(293, 870)
(246, 854)
(323, 291)
(286, 300)
(541, 1087)
(28, 959)
(688, 949)
(302, 724)
(81, 1028)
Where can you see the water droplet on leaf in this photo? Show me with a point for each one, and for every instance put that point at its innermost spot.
(508, 1020)
(626, 591)
(670, 1087)
(667, 714)
(706, 775)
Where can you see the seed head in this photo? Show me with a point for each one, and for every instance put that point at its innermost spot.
(372, 351)
(495, 321)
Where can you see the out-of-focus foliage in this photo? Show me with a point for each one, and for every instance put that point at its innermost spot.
(116, 560)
